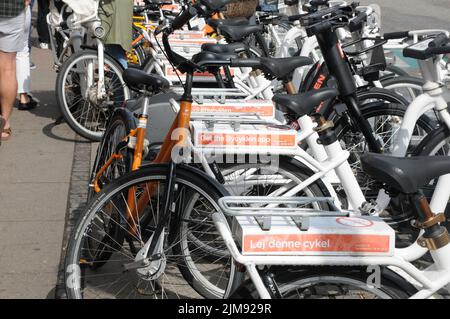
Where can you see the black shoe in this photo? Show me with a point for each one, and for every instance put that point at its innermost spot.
(27, 106)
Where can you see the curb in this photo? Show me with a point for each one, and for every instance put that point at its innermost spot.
(76, 201)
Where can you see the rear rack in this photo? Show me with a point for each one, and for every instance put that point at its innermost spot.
(269, 207)
(235, 119)
(217, 94)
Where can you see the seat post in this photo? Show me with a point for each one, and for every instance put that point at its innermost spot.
(435, 236)
(290, 88)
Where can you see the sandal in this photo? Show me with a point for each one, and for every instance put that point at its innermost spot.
(6, 131)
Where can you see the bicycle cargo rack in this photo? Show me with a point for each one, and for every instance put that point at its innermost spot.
(263, 208)
(263, 228)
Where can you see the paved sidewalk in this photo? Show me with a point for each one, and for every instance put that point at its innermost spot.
(35, 169)
(403, 15)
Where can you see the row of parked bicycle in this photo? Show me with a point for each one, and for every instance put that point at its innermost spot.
(300, 163)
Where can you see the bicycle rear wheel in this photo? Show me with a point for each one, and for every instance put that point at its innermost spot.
(385, 118)
(408, 87)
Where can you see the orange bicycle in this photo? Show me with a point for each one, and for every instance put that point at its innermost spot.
(149, 233)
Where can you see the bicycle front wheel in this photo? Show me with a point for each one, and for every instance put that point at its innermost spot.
(105, 229)
(85, 103)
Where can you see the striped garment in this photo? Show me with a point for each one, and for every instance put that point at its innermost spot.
(11, 8)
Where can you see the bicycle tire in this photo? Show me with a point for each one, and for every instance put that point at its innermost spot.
(286, 171)
(184, 176)
(392, 286)
(407, 84)
(120, 124)
(284, 164)
(433, 142)
(62, 95)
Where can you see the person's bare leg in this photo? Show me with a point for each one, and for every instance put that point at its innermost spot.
(24, 98)
(8, 86)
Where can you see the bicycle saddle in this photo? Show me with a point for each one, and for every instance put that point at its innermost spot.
(305, 103)
(212, 59)
(237, 33)
(135, 78)
(217, 23)
(236, 47)
(281, 68)
(405, 174)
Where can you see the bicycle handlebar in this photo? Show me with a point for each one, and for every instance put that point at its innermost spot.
(296, 17)
(439, 41)
(317, 3)
(357, 22)
(184, 18)
(396, 35)
(140, 9)
(245, 63)
(439, 50)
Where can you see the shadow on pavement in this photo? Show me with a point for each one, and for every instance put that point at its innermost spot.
(48, 108)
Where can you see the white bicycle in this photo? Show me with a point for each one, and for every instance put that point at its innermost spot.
(89, 83)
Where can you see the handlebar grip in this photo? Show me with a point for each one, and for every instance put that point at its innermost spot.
(356, 23)
(296, 17)
(140, 9)
(245, 63)
(439, 50)
(316, 3)
(183, 18)
(396, 35)
(440, 40)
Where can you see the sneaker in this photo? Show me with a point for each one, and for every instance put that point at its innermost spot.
(43, 46)
(32, 66)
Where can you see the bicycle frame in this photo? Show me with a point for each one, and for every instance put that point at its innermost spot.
(74, 38)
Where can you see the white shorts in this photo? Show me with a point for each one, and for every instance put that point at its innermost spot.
(12, 33)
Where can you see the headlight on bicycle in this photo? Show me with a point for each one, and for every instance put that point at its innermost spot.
(97, 30)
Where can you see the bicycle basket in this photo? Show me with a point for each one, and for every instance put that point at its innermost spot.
(83, 8)
(240, 8)
(367, 57)
(268, 6)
